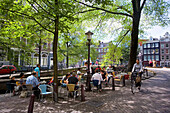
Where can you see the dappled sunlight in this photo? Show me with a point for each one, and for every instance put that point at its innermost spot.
(154, 97)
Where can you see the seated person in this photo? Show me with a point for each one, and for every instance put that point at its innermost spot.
(79, 72)
(73, 80)
(35, 83)
(22, 82)
(12, 83)
(110, 72)
(65, 80)
(98, 77)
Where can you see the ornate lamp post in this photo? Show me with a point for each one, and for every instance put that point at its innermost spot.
(89, 35)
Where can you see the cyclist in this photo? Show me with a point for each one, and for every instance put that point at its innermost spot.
(137, 67)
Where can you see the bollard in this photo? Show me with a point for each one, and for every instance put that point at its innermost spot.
(82, 93)
(146, 71)
(31, 104)
(123, 80)
(113, 83)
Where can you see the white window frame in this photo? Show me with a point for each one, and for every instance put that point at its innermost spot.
(157, 57)
(145, 58)
(149, 51)
(144, 51)
(162, 45)
(144, 45)
(156, 45)
(149, 45)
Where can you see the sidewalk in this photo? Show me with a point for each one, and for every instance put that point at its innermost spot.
(149, 99)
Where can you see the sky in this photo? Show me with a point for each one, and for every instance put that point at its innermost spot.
(158, 31)
(155, 32)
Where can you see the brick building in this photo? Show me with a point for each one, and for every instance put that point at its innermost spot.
(165, 50)
(102, 49)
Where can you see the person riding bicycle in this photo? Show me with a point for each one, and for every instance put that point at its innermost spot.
(137, 67)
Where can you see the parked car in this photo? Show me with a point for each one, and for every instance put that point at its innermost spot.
(5, 69)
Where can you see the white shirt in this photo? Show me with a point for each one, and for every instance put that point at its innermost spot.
(78, 72)
(97, 76)
(137, 67)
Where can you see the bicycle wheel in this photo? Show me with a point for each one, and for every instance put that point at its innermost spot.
(133, 85)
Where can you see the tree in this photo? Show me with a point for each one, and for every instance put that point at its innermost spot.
(129, 12)
(52, 16)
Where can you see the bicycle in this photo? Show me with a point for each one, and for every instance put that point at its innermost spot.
(134, 81)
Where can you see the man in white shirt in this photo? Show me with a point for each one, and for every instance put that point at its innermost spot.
(97, 76)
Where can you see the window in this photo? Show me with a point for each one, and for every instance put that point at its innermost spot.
(105, 50)
(44, 61)
(156, 51)
(152, 51)
(152, 45)
(162, 51)
(167, 45)
(157, 57)
(162, 45)
(167, 57)
(145, 58)
(5, 67)
(149, 51)
(167, 51)
(156, 45)
(148, 45)
(11, 67)
(152, 57)
(145, 51)
(149, 57)
(162, 57)
(36, 61)
(144, 46)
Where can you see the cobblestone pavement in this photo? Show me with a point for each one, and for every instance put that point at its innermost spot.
(154, 97)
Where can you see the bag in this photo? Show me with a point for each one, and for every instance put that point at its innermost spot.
(138, 79)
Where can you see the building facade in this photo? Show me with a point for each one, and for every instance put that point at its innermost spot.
(151, 51)
(102, 49)
(165, 50)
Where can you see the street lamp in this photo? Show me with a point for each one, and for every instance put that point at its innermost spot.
(89, 35)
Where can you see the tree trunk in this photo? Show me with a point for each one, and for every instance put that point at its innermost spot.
(55, 60)
(67, 54)
(40, 50)
(134, 34)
